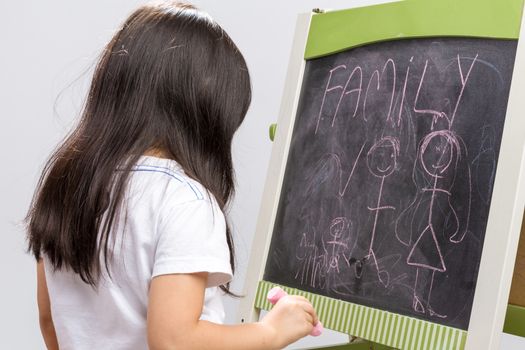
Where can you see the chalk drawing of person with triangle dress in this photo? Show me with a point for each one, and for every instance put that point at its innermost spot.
(438, 157)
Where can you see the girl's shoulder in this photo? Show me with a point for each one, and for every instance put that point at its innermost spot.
(166, 177)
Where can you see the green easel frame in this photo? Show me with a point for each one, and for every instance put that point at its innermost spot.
(336, 31)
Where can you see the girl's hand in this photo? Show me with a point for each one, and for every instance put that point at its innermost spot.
(175, 305)
(292, 318)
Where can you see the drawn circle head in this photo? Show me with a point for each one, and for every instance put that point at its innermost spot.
(338, 226)
(438, 151)
(382, 157)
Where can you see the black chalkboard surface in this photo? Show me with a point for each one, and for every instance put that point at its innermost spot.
(389, 176)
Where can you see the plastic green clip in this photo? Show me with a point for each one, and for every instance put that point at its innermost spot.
(273, 128)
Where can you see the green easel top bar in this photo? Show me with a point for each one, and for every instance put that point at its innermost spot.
(336, 31)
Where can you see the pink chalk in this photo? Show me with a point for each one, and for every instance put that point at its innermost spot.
(277, 293)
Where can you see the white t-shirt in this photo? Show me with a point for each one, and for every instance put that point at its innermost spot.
(173, 226)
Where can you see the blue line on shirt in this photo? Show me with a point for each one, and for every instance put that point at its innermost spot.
(138, 168)
(142, 166)
(165, 168)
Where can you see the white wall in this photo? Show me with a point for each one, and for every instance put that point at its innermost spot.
(45, 48)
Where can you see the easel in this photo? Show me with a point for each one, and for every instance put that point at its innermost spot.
(486, 322)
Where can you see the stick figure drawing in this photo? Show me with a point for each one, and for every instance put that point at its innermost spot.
(432, 213)
(381, 162)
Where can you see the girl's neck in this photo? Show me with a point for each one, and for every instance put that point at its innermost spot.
(156, 152)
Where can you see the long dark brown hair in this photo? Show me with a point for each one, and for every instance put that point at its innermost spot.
(170, 79)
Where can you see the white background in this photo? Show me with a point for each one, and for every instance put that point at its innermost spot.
(47, 52)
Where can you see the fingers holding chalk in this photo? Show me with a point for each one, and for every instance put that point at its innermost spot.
(277, 293)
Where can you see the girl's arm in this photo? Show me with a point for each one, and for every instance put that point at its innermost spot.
(44, 309)
(175, 305)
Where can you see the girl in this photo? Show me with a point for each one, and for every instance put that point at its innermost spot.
(127, 222)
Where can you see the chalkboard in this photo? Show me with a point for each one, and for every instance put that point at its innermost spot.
(389, 175)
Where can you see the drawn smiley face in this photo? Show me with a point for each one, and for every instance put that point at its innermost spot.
(382, 157)
(438, 150)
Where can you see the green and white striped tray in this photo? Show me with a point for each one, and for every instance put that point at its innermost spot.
(383, 327)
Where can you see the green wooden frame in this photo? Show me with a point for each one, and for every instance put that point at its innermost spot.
(336, 31)
(387, 328)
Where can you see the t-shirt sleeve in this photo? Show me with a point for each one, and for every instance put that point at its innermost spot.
(191, 238)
